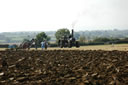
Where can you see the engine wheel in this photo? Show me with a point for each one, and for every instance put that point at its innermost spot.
(70, 44)
(77, 44)
(61, 44)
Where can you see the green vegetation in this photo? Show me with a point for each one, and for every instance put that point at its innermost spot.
(85, 37)
(62, 32)
(41, 37)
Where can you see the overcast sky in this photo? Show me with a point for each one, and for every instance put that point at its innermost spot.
(49, 15)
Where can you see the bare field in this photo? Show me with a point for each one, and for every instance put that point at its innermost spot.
(120, 47)
(87, 65)
(64, 67)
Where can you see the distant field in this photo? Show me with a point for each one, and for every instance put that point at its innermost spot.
(121, 47)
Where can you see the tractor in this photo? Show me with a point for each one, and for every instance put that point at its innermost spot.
(68, 41)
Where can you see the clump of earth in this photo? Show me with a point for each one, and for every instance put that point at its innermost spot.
(64, 67)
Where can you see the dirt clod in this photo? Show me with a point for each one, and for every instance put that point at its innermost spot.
(64, 67)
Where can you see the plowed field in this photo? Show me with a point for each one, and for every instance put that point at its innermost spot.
(64, 67)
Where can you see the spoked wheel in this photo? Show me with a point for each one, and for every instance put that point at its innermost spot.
(77, 44)
(61, 44)
(70, 44)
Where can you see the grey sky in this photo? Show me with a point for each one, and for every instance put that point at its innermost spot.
(47, 15)
(104, 14)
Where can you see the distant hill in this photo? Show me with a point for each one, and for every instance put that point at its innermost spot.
(17, 37)
(105, 33)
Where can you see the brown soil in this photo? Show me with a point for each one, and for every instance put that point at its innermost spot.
(64, 67)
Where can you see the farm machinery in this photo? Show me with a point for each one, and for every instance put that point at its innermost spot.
(24, 45)
(68, 41)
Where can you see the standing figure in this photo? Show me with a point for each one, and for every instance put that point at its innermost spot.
(42, 45)
(112, 44)
(36, 43)
(45, 44)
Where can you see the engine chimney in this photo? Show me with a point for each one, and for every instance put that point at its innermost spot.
(72, 33)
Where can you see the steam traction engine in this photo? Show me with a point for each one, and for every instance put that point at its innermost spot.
(68, 41)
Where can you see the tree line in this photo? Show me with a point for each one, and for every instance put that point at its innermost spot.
(97, 36)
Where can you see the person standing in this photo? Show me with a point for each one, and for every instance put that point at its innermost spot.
(45, 44)
(42, 45)
(36, 44)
